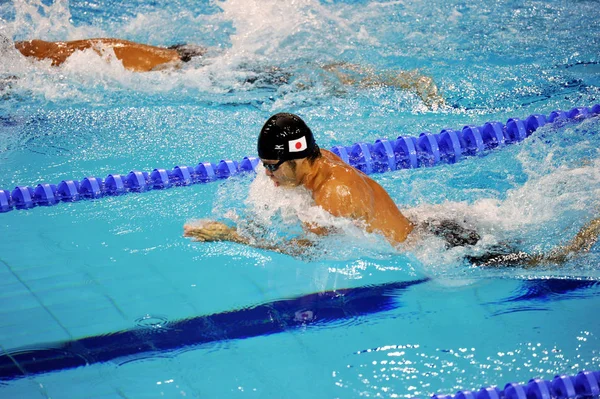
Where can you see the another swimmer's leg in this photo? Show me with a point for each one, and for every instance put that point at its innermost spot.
(511, 259)
(423, 85)
(344, 77)
(582, 242)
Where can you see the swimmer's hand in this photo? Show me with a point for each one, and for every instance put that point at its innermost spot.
(208, 231)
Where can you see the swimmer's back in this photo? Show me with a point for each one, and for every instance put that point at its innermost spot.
(348, 192)
(134, 56)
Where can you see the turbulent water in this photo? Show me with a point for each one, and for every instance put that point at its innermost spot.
(356, 316)
(90, 116)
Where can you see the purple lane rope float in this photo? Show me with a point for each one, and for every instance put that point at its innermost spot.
(586, 384)
(448, 146)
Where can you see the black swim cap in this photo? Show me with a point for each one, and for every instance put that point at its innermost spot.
(284, 137)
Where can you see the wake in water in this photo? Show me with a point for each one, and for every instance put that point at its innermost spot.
(249, 39)
(560, 196)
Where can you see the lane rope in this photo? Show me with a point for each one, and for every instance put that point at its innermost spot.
(448, 146)
(586, 384)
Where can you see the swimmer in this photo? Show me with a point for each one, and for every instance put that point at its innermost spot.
(135, 57)
(292, 158)
(139, 57)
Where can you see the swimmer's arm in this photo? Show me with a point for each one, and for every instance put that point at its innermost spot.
(216, 231)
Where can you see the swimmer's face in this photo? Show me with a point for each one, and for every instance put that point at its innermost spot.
(282, 173)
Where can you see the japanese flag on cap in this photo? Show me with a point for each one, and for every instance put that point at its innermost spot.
(297, 145)
(285, 137)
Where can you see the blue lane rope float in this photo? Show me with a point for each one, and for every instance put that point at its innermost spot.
(586, 384)
(448, 146)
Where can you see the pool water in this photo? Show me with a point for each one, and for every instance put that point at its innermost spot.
(112, 301)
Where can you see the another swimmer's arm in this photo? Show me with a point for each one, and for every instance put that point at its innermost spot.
(318, 230)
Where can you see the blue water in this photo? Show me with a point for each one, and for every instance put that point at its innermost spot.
(118, 267)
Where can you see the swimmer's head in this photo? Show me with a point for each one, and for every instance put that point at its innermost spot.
(188, 51)
(285, 137)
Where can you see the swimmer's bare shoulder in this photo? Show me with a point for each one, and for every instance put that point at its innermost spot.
(341, 189)
(352, 194)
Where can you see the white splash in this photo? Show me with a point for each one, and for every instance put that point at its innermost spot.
(530, 215)
(277, 214)
(294, 205)
(272, 30)
(36, 20)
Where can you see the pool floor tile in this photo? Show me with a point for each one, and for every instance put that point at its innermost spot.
(13, 334)
(57, 281)
(22, 389)
(86, 312)
(71, 294)
(20, 299)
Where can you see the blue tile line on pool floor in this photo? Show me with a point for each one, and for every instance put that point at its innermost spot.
(265, 319)
(448, 146)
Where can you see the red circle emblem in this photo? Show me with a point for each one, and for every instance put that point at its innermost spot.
(298, 145)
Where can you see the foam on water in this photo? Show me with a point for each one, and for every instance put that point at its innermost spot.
(50, 21)
(275, 31)
(560, 195)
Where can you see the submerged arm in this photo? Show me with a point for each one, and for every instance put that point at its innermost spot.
(216, 231)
